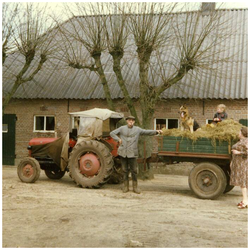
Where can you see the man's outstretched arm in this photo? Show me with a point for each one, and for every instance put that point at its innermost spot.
(150, 132)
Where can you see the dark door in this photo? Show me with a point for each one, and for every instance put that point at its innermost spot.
(9, 139)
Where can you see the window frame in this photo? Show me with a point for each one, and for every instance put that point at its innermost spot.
(208, 120)
(166, 122)
(44, 125)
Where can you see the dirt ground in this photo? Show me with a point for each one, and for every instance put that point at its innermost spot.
(57, 213)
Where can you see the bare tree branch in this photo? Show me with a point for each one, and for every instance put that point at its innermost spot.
(32, 37)
(117, 33)
(150, 30)
(87, 30)
(197, 39)
(9, 12)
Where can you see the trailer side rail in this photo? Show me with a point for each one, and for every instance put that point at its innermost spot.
(194, 155)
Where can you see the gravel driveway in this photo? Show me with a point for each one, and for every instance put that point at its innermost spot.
(167, 214)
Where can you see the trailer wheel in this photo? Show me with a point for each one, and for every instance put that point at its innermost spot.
(54, 174)
(28, 170)
(90, 164)
(207, 180)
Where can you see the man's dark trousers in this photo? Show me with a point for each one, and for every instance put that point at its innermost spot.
(129, 164)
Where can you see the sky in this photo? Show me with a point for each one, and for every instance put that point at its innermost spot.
(227, 4)
(57, 6)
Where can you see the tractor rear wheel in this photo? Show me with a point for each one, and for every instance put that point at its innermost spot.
(90, 164)
(28, 170)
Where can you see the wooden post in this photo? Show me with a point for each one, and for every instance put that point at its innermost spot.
(177, 146)
(144, 163)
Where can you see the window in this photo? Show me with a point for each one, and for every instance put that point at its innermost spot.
(76, 121)
(173, 123)
(166, 123)
(44, 123)
(208, 121)
(160, 123)
(5, 128)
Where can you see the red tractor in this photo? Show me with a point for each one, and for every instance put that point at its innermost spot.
(87, 152)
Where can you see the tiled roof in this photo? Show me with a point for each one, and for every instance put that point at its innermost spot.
(56, 80)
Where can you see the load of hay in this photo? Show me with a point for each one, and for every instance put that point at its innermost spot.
(227, 130)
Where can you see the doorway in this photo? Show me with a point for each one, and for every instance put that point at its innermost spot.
(9, 139)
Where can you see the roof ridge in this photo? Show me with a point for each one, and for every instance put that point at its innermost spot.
(171, 13)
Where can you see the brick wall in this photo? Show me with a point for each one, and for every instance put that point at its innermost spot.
(202, 110)
(26, 109)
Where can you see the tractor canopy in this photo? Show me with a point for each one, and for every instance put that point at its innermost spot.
(95, 122)
(102, 114)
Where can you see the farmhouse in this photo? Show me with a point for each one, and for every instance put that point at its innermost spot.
(40, 107)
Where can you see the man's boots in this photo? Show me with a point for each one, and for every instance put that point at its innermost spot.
(135, 187)
(125, 186)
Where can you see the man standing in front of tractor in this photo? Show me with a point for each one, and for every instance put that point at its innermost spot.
(128, 149)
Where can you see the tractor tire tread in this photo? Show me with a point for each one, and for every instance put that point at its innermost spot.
(107, 157)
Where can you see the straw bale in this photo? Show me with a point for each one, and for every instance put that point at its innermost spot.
(227, 130)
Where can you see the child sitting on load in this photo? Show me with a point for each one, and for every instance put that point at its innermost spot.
(220, 115)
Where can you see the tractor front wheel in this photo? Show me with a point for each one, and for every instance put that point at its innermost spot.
(28, 170)
(90, 164)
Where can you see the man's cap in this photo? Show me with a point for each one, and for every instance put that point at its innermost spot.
(130, 117)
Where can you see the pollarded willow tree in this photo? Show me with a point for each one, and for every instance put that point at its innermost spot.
(27, 35)
(83, 41)
(159, 45)
(9, 11)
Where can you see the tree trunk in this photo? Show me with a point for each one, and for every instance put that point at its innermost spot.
(147, 104)
(18, 82)
(146, 146)
(19, 78)
(120, 80)
(104, 82)
(8, 97)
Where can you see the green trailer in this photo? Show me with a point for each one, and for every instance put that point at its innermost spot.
(211, 175)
